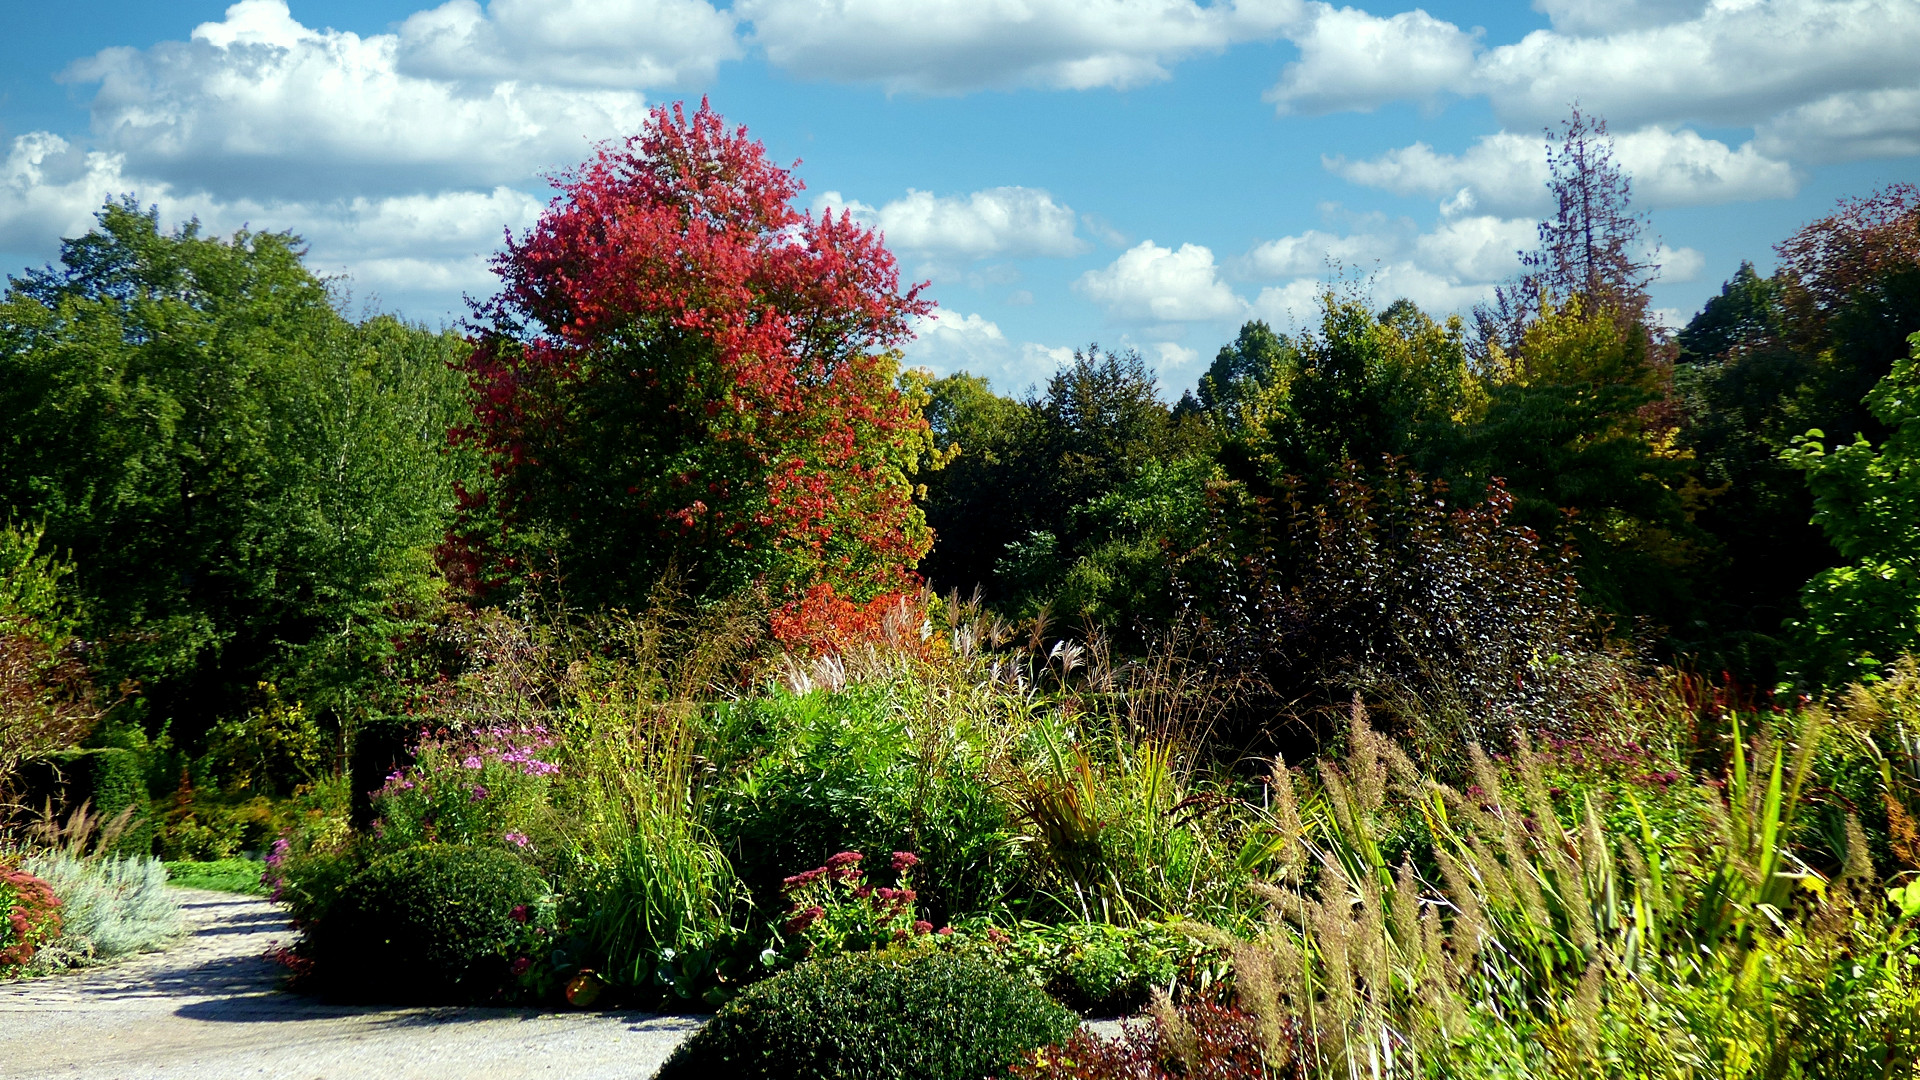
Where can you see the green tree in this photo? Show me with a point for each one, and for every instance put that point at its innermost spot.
(1359, 387)
(1865, 613)
(47, 703)
(1765, 361)
(249, 486)
(980, 437)
(1576, 430)
(1244, 367)
(1015, 505)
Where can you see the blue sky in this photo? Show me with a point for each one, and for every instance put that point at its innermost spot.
(1135, 172)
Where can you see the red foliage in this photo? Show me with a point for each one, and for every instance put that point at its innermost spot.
(824, 622)
(683, 371)
(1217, 1042)
(32, 916)
(1831, 259)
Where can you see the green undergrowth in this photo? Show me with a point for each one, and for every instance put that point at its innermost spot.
(235, 875)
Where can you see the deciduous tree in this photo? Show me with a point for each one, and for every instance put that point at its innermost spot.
(681, 370)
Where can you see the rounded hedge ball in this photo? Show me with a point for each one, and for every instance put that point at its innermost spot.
(875, 1016)
(429, 925)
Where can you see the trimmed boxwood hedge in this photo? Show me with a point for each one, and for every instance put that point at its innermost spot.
(875, 1016)
(428, 925)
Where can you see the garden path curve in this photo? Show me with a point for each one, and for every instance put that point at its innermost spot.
(210, 1009)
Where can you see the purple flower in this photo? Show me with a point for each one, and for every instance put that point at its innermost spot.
(517, 839)
(479, 793)
(472, 762)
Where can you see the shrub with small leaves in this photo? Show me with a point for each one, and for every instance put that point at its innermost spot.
(434, 924)
(32, 918)
(875, 1016)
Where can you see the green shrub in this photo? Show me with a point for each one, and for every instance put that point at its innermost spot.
(1097, 969)
(434, 924)
(807, 776)
(924, 1015)
(220, 875)
(109, 907)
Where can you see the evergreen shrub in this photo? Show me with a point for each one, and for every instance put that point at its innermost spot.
(875, 1016)
(430, 925)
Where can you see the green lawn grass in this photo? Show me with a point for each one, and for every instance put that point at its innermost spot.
(221, 875)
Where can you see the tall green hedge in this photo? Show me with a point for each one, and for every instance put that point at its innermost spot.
(109, 780)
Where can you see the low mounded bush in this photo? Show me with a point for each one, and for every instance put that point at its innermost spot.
(875, 1016)
(109, 908)
(29, 918)
(436, 924)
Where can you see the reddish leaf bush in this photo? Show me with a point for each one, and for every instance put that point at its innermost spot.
(32, 917)
(824, 622)
(1200, 1041)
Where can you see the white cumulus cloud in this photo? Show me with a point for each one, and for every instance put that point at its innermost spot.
(50, 189)
(1506, 173)
(611, 43)
(1152, 283)
(1844, 127)
(261, 105)
(1352, 60)
(954, 46)
(1821, 79)
(1609, 16)
(1001, 221)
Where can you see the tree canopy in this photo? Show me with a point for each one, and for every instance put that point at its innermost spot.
(682, 373)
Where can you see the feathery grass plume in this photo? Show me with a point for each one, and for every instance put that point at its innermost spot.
(1285, 816)
(1182, 1043)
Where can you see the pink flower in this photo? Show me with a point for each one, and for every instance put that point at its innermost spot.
(803, 879)
(945, 931)
(845, 858)
(517, 839)
(472, 762)
(905, 860)
(804, 918)
(519, 913)
(521, 964)
(922, 926)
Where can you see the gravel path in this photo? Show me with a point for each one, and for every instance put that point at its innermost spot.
(210, 1009)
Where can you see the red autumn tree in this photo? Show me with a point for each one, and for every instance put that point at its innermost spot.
(681, 373)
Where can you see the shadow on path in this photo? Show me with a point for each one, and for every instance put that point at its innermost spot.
(211, 1008)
